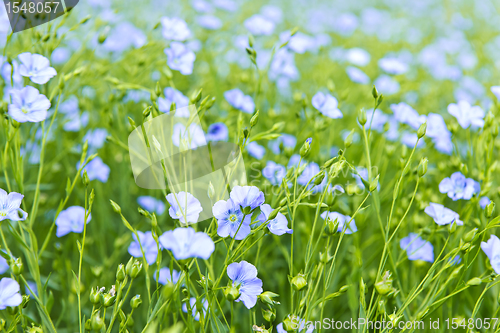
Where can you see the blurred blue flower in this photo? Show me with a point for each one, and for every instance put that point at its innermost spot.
(244, 277)
(9, 206)
(174, 96)
(410, 140)
(357, 75)
(393, 65)
(209, 22)
(184, 207)
(278, 225)
(230, 220)
(458, 187)
(31, 286)
(273, 13)
(439, 133)
(191, 137)
(283, 66)
(405, 114)
(344, 221)
(60, 55)
(259, 25)
(240, 101)
(36, 67)
(227, 5)
(387, 85)
(247, 196)
(466, 114)
(196, 313)
(71, 219)
(442, 215)
(9, 293)
(4, 266)
(416, 248)
(186, 243)
(148, 244)
(256, 150)
(116, 43)
(484, 201)
(175, 29)
(379, 120)
(166, 277)
(180, 58)
(28, 105)
(95, 139)
(496, 91)
(455, 261)
(96, 169)
(217, 132)
(202, 6)
(274, 172)
(492, 249)
(288, 141)
(298, 43)
(358, 56)
(327, 105)
(151, 204)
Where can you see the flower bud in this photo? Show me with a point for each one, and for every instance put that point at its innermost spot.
(120, 273)
(135, 302)
(25, 301)
(374, 92)
(421, 130)
(135, 269)
(374, 184)
(422, 167)
(196, 96)
(232, 293)
(88, 325)
(291, 323)
(331, 226)
(273, 214)
(474, 282)
(381, 306)
(146, 112)
(97, 322)
(362, 117)
(267, 298)
(384, 286)
(168, 290)
(490, 209)
(254, 119)
(269, 316)
(95, 296)
(343, 289)
(85, 178)
(62, 82)
(158, 89)
(319, 178)
(108, 300)
(468, 237)
(34, 329)
(464, 169)
(380, 100)
(17, 267)
(211, 190)
(348, 139)
(116, 207)
(306, 148)
(299, 282)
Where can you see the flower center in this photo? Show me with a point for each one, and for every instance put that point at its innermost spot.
(24, 110)
(3, 214)
(233, 218)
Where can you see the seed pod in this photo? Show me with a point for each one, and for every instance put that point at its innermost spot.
(232, 293)
(299, 282)
(474, 282)
(135, 302)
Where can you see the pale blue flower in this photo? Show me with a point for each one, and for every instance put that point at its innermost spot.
(458, 187)
(31, 287)
(202, 6)
(455, 260)
(148, 244)
(393, 65)
(174, 96)
(96, 169)
(244, 277)
(466, 114)
(196, 313)
(274, 13)
(442, 215)
(357, 75)
(184, 207)
(247, 196)
(151, 204)
(227, 5)
(405, 114)
(484, 201)
(345, 221)
(411, 139)
(186, 243)
(28, 105)
(180, 58)
(283, 66)
(217, 132)
(278, 225)
(96, 139)
(71, 219)
(259, 25)
(116, 43)
(230, 220)
(416, 248)
(298, 43)
(496, 91)
(379, 120)
(387, 85)
(240, 101)
(191, 137)
(9, 206)
(288, 141)
(167, 277)
(274, 172)
(60, 55)
(36, 67)
(256, 150)
(209, 22)
(9, 293)
(358, 56)
(175, 29)
(327, 105)
(492, 250)
(4, 266)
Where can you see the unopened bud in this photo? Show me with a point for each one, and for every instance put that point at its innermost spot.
(299, 282)
(116, 207)
(468, 237)
(120, 273)
(422, 167)
(348, 139)
(136, 302)
(421, 130)
(490, 209)
(375, 92)
(268, 315)
(232, 293)
(306, 148)
(362, 117)
(474, 282)
(254, 119)
(374, 184)
(319, 178)
(97, 322)
(17, 267)
(134, 269)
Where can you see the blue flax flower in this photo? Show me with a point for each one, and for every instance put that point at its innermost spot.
(180, 58)
(217, 132)
(230, 220)
(244, 277)
(255, 150)
(175, 29)
(96, 169)
(344, 221)
(149, 246)
(247, 196)
(28, 105)
(492, 250)
(259, 25)
(186, 243)
(357, 75)
(71, 220)
(442, 215)
(327, 105)
(184, 207)
(196, 313)
(484, 201)
(277, 226)
(466, 114)
(238, 100)
(9, 293)
(166, 277)
(209, 22)
(4, 266)
(9, 206)
(458, 187)
(174, 96)
(274, 172)
(417, 248)
(151, 204)
(36, 67)
(287, 140)
(405, 114)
